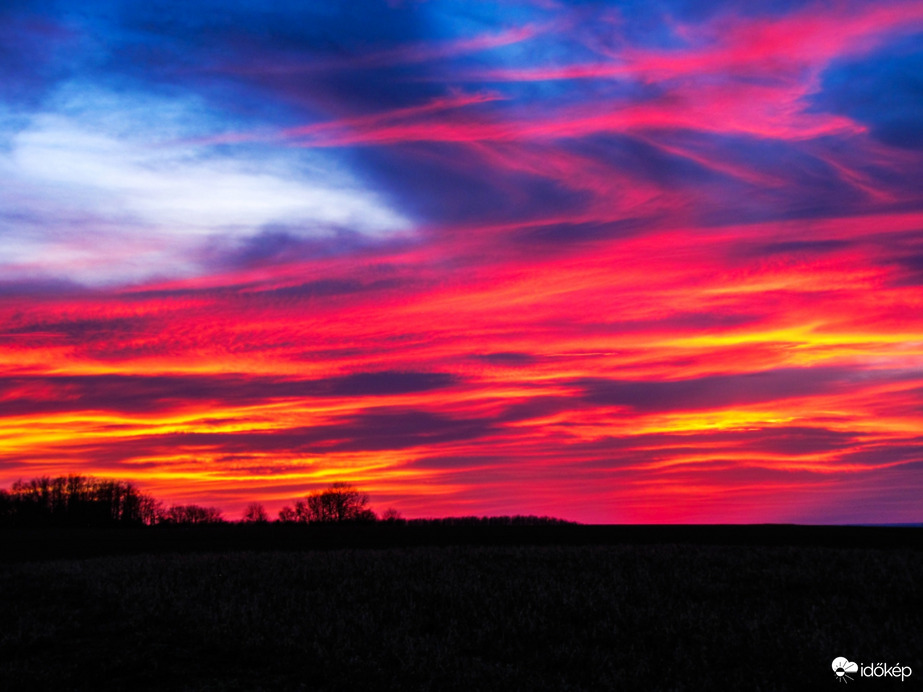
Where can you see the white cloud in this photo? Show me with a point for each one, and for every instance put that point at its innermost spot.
(119, 183)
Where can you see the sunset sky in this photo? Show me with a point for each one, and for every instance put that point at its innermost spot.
(652, 261)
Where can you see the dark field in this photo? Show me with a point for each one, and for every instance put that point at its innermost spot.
(652, 615)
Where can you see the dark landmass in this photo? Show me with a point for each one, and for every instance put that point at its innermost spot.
(55, 543)
(457, 608)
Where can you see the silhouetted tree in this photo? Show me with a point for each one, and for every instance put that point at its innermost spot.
(76, 501)
(303, 512)
(191, 514)
(340, 502)
(150, 510)
(287, 514)
(392, 515)
(255, 513)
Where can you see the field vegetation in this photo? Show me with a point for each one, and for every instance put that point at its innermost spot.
(104, 588)
(464, 617)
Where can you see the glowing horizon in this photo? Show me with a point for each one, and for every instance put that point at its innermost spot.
(639, 263)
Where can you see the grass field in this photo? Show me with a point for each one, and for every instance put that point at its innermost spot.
(604, 617)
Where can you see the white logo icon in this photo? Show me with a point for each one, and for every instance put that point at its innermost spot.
(841, 667)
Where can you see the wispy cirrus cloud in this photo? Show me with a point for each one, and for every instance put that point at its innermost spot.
(612, 262)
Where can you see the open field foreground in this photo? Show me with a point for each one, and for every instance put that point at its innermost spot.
(463, 617)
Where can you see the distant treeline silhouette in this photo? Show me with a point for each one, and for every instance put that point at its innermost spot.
(75, 501)
(516, 520)
(341, 502)
(86, 501)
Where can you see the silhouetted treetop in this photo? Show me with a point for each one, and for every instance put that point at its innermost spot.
(76, 500)
(255, 513)
(339, 503)
(191, 514)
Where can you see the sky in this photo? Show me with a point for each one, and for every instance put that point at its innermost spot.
(653, 261)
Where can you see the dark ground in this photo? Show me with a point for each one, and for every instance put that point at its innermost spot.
(457, 608)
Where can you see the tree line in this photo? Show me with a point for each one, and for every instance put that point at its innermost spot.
(86, 501)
